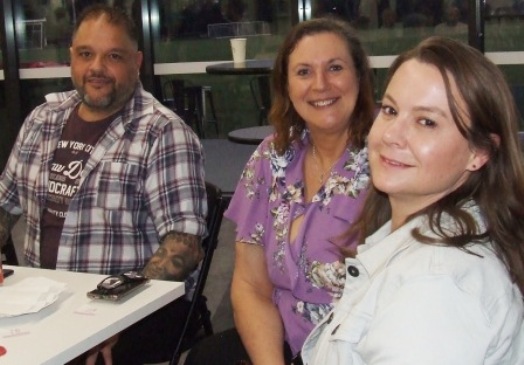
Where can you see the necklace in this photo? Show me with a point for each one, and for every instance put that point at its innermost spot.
(318, 166)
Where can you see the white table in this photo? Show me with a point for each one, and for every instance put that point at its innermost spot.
(75, 323)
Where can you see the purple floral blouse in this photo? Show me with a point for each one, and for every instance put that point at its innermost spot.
(307, 273)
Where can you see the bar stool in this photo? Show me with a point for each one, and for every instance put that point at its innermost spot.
(190, 103)
(259, 86)
(200, 96)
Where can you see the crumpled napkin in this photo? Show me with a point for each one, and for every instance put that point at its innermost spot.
(29, 296)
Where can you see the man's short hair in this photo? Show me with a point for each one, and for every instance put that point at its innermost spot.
(114, 15)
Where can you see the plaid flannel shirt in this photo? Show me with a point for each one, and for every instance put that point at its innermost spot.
(144, 178)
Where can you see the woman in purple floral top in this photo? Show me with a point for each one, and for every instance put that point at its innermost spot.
(299, 192)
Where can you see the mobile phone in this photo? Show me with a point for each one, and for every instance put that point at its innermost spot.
(114, 288)
(7, 272)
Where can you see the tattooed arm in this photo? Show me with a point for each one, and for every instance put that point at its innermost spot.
(7, 222)
(177, 256)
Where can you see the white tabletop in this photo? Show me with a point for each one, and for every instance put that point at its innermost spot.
(74, 323)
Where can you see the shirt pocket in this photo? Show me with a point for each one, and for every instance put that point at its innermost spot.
(30, 149)
(117, 186)
(336, 342)
(351, 329)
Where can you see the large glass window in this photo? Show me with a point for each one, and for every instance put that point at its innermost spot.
(196, 33)
(504, 42)
(43, 30)
(388, 27)
(188, 35)
(504, 23)
(199, 30)
(43, 35)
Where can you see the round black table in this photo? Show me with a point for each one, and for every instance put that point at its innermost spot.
(250, 135)
(250, 67)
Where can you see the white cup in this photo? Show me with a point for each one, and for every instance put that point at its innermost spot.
(238, 49)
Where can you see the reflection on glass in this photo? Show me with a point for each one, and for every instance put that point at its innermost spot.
(191, 19)
(390, 27)
(40, 32)
(44, 28)
(515, 76)
(59, 27)
(199, 30)
(504, 20)
(504, 23)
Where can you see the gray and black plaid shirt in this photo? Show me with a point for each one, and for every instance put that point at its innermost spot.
(144, 178)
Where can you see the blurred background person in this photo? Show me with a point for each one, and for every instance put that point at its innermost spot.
(451, 24)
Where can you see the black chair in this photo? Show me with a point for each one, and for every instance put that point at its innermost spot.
(9, 253)
(260, 86)
(198, 321)
(189, 102)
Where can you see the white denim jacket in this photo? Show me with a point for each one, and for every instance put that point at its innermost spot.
(409, 303)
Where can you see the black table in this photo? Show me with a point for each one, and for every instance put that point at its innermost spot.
(250, 67)
(259, 68)
(250, 135)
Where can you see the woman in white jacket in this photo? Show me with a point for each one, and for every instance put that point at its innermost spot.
(439, 276)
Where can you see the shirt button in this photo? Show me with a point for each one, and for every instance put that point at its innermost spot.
(330, 318)
(353, 271)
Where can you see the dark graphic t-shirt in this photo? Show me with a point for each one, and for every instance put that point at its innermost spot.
(72, 152)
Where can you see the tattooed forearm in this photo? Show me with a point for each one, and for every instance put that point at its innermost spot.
(177, 256)
(7, 222)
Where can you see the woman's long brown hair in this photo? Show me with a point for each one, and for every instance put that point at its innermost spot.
(498, 187)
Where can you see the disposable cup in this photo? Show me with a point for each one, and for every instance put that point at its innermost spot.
(238, 49)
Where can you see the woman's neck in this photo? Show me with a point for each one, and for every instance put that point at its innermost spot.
(328, 148)
(322, 155)
(405, 206)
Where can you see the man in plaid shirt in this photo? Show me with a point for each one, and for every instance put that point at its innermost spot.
(109, 180)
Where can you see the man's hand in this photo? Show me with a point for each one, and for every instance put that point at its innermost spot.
(177, 256)
(7, 222)
(105, 349)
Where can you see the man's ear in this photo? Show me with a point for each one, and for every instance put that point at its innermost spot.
(139, 57)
